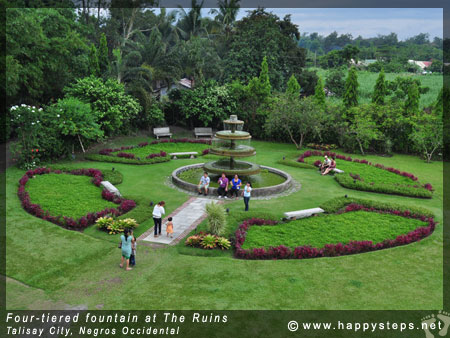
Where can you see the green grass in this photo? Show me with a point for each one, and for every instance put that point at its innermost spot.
(143, 152)
(67, 195)
(77, 269)
(263, 179)
(331, 229)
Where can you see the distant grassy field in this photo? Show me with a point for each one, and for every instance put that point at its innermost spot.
(367, 81)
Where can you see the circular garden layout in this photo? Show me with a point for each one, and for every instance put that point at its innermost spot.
(348, 226)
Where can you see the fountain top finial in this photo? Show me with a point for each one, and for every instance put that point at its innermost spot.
(233, 120)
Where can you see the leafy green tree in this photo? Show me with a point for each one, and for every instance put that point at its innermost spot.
(427, 133)
(76, 121)
(113, 109)
(208, 104)
(262, 34)
(351, 89)
(297, 118)
(103, 56)
(362, 128)
(94, 67)
(293, 88)
(319, 94)
(335, 82)
(380, 90)
(412, 101)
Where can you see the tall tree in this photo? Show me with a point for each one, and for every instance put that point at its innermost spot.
(412, 101)
(103, 55)
(94, 68)
(380, 90)
(319, 93)
(351, 89)
(293, 88)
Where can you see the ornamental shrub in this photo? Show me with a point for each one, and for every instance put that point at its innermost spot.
(216, 218)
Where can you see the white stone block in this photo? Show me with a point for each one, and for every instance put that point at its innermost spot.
(108, 186)
(303, 213)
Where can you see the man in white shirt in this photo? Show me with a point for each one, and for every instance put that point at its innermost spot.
(204, 184)
(158, 212)
(326, 163)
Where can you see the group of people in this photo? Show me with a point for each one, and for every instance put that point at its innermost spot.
(227, 186)
(327, 165)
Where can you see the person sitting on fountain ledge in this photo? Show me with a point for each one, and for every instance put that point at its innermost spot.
(223, 186)
(204, 184)
(235, 186)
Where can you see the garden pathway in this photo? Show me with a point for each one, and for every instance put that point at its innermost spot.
(185, 219)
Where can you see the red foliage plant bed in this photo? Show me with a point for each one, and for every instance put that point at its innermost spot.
(330, 250)
(68, 222)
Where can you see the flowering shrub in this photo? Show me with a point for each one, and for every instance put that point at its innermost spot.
(68, 222)
(206, 151)
(126, 155)
(331, 250)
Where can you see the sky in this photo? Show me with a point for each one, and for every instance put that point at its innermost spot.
(367, 22)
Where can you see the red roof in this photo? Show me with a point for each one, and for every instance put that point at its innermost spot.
(427, 63)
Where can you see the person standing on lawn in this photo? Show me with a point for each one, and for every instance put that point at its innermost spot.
(223, 186)
(125, 244)
(204, 184)
(235, 186)
(158, 211)
(247, 193)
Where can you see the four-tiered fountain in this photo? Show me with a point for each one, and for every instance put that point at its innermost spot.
(232, 142)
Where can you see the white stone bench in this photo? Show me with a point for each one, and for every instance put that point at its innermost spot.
(165, 131)
(108, 186)
(192, 153)
(338, 171)
(203, 132)
(303, 213)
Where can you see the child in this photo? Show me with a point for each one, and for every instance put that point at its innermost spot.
(169, 227)
(133, 250)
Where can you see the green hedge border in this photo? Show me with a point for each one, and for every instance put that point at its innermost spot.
(115, 159)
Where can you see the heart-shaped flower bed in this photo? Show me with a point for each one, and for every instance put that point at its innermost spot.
(355, 229)
(57, 197)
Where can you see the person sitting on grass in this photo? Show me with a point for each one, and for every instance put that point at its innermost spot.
(223, 186)
(204, 184)
(235, 186)
(331, 167)
(326, 163)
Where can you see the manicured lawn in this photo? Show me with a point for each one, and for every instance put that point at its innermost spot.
(331, 229)
(67, 195)
(77, 268)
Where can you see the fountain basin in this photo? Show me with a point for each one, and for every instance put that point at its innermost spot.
(287, 184)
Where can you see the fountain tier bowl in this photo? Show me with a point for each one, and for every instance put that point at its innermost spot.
(229, 135)
(239, 151)
(241, 168)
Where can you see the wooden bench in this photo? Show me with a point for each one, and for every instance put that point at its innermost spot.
(303, 213)
(165, 131)
(203, 132)
(192, 153)
(108, 186)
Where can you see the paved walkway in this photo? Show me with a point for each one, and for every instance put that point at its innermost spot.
(185, 219)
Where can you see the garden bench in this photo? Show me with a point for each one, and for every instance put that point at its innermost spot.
(192, 153)
(112, 189)
(203, 132)
(303, 213)
(165, 131)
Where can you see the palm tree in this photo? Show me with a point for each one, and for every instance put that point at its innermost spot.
(226, 14)
(191, 23)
